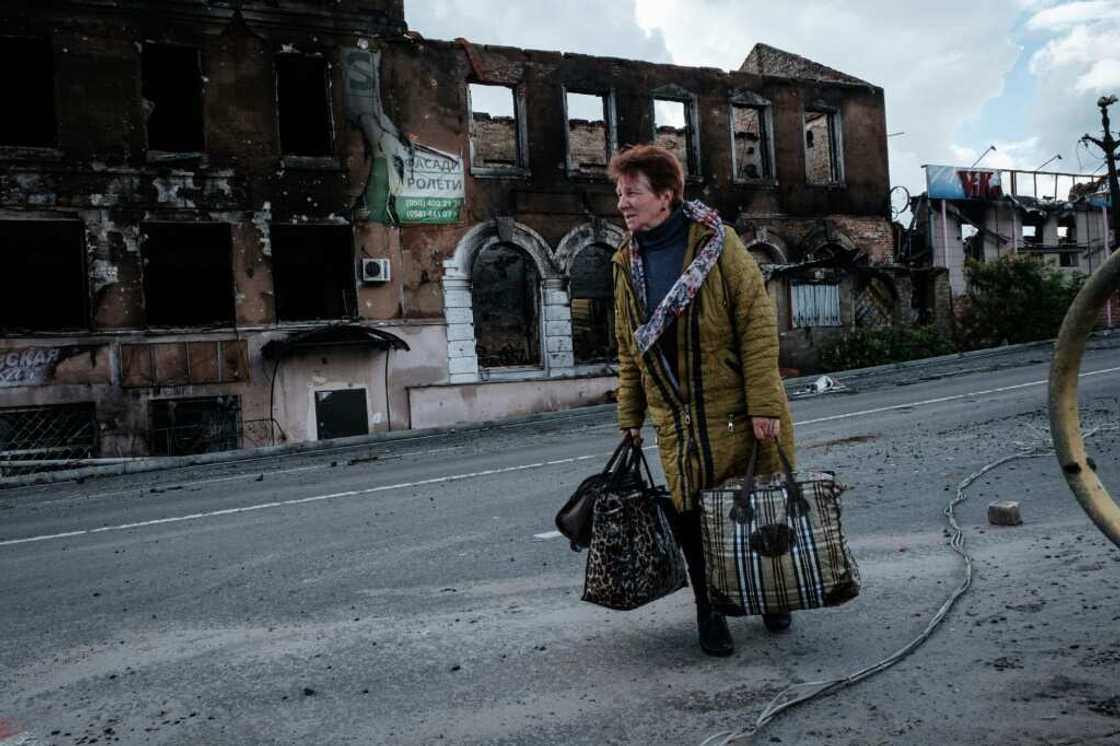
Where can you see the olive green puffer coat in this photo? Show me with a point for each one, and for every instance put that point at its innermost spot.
(727, 344)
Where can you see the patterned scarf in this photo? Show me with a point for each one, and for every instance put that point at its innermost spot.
(687, 285)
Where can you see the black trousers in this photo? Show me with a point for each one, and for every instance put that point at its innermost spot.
(687, 530)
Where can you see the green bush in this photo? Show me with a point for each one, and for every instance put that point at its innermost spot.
(864, 348)
(1012, 300)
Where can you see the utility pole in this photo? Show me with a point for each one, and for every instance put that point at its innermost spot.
(1109, 145)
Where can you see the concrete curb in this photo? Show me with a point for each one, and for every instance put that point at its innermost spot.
(143, 465)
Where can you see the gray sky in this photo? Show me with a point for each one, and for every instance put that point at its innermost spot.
(959, 75)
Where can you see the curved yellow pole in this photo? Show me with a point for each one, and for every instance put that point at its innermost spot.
(1065, 421)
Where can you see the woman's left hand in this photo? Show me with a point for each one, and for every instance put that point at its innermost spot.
(766, 429)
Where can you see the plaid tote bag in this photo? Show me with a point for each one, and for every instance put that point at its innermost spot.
(776, 545)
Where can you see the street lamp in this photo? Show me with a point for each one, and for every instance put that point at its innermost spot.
(1058, 157)
(989, 150)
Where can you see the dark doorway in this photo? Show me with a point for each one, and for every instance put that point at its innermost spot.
(341, 413)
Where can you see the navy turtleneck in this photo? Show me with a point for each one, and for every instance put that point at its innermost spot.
(662, 249)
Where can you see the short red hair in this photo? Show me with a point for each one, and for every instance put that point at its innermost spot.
(658, 164)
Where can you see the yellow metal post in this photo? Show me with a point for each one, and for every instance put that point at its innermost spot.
(1065, 420)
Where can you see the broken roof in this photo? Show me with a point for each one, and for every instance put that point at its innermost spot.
(767, 60)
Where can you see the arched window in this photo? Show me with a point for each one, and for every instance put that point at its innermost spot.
(593, 339)
(506, 287)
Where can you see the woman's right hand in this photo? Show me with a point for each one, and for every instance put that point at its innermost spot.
(633, 434)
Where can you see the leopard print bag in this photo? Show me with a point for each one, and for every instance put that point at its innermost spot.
(633, 558)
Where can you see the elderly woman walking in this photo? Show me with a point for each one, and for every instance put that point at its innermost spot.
(697, 349)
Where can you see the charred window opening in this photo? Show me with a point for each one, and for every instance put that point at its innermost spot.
(1032, 234)
(589, 135)
(313, 272)
(494, 127)
(673, 131)
(822, 147)
(188, 274)
(56, 433)
(181, 427)
(303, 104)
(593, 337)
(751, 143)
(29, 64)
(172, 90)
(506, 292)
(43, 283)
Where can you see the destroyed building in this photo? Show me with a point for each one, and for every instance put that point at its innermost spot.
(980, 214)
(230, 224)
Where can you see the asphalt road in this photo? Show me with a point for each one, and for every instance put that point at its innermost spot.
(411, 592)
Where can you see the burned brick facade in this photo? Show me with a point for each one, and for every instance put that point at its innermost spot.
(208, 240)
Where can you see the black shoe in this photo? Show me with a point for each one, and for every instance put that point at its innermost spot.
(715, 637)
(777, 622)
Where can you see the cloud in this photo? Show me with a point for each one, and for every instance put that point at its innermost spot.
(1079, 63)
(1104, 74)
(1073, 14)
(584, 26)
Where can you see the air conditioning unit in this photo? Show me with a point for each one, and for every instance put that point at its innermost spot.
(375, 270)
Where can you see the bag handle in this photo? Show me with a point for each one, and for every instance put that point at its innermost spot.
(796, 504)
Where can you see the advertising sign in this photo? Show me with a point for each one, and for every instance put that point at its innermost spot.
(952, 182)
(409, 183)
(30, 366)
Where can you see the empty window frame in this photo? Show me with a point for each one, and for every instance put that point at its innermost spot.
(1031, 234)
(674, 128)
(972, 242)
(181, 427)
(593, 335)
(823, 147)
(1067, 230)
(591, 133)
(815, 304)
(313, 272)
(506, 295)
(497, 129)
(172, 91)
(43, 284)
(303, 104)
(28, 80)
(752, 147)
(1068, 259)
(188, 274)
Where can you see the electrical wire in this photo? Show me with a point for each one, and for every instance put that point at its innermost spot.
(789, 697)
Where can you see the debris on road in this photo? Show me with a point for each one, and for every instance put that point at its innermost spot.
(1004, 513)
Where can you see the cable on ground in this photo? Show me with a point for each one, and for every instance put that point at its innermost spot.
(798, 694)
